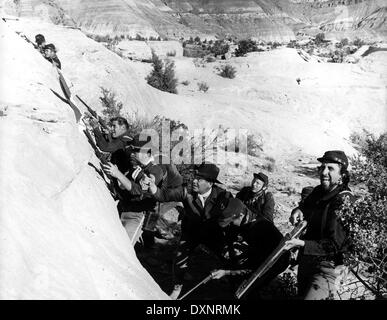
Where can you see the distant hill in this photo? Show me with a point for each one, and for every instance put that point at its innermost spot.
(274, 20)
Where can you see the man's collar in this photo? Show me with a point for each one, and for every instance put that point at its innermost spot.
(205, 195)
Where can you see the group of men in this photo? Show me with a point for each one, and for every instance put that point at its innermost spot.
(48, 50)
(240, 230)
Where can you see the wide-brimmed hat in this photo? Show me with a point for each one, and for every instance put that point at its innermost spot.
(233, 207)
(208, 171)
(263, 177)
(137, 144)
(335, 156)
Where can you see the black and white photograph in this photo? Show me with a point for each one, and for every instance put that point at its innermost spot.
(201, 157)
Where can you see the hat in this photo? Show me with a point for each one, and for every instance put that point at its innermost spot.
(137, 144)
(49, 46)
(233, 207)
(263, 177)
(208, 171)
(40, 38)
(335, 156)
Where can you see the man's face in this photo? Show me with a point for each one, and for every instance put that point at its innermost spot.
(117, 129)
(256, 185)
(48, 53)
(237, 220)
(200, 185)
(142, 157)
(330, 176)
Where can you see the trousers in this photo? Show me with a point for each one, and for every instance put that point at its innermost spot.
(319, 279)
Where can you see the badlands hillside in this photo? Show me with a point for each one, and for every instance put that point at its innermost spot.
(60, 231)
(274, 20)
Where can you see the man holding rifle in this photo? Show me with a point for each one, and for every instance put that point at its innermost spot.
(249, 241)
(323, 245)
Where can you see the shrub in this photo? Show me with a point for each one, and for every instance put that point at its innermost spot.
(344, 42)
(245, 46)
(358, 42)
(210, 59)
(320, 37)
(219, 48)
(366, 219)
(203, 86)
(111, 106)
(171, 54)
(185, 83)
(227, 71)
(253, 147)
(162, 76)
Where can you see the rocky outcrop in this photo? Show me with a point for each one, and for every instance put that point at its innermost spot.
(61, 237)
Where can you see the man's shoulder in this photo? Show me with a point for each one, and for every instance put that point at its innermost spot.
(243, 192)
(220, 192)
(344, 196)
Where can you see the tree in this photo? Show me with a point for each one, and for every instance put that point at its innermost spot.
(320, 37)
(111, 106)
(162, 76)
(245, 46)
(366, 219)
(219, 48)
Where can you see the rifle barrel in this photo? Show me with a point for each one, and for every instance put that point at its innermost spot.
(270, 261)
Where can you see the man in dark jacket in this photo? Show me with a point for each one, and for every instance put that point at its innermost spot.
(325, 241)
(134, 183)
(199, 222)
(249, 241)
(256, 197)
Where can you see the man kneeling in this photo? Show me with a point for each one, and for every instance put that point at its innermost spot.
(249, 241)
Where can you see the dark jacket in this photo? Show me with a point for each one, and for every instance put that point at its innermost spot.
(137, 199)
(56, 61)
(108, 143)
(261, 206)
(193, 207)
(325, 235)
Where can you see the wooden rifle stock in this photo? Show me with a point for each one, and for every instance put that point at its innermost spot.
(270, 261)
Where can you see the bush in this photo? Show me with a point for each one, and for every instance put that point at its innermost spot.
(319, 39)
(162, 76)
(227, 71)
(185, 83)
(358, 42)
(111, 106)
(245, 46)
(203, 86)
(219, 48)
(366, 219)
(171, 54)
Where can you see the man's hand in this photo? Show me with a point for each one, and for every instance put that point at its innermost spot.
(217, 274)
(294, 243)
(112, 170)
(296, 216)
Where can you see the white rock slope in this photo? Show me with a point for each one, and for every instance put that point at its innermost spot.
(60, 235)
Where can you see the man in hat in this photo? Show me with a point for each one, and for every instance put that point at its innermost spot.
(249, 241)
(325, 242)
(40, 43)
(50, 55)
(199, 222)
(134, 184)
(257, 198)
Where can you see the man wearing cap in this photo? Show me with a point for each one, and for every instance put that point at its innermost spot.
(256, 197)
(323, 245)
(134, 184)
(249, 241)
(40, 43)
(199, 222)
(50, 55)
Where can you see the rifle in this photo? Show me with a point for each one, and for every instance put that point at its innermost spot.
(270, 261)
(24, 37)
(94, 114)
(197, 286)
